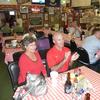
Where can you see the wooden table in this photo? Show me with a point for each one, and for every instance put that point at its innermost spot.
(57, 93)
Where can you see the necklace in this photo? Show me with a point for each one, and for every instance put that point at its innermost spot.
(32, 57)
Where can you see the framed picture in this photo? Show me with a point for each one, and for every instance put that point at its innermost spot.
(24, 16)
(46, 16)
(23, 9)
(51, 10)
(36, 19)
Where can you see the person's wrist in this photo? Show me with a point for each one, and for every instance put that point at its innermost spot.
(64, 60)
(72, 60)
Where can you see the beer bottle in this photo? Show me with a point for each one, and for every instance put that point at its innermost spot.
(82, 36)
(68, 84)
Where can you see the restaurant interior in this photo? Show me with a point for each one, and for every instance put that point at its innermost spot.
(46, 17)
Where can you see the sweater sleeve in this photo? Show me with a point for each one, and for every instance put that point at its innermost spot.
(43, 69)
(23, 70)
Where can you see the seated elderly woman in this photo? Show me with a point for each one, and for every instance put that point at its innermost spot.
(30, 60)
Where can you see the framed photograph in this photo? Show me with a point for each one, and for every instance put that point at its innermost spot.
(46, 16)
(24, 16)
(51, 19)
(23, 9)
(51, 10)
(36, 19)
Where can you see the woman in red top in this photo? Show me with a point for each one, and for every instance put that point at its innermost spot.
(30, 60)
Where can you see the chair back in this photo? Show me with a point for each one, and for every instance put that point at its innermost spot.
(50, 37)
(43, 44)
(17, 55)
(73, 46)
(47, 68)
(40, 34)
(84, 57)
(2, 56)
(13, 70)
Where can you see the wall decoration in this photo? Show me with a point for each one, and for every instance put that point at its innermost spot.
(24, 16)
(46, 16)
(51, 18)
(36, 19)
(63, 17)
(51, 10)
(53, 3)
(23, 9)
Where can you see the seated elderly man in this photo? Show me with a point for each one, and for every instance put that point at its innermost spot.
(59, 57)
(92, 46)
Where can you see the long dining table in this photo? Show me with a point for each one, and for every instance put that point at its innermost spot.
(57, 92)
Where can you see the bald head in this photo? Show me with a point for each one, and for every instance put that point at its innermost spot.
(58, 40)
(56, 35)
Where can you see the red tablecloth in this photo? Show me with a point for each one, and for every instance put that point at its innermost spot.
(57, 93)
(9, 53)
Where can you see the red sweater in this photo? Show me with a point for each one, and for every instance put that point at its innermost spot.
(27, 65)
